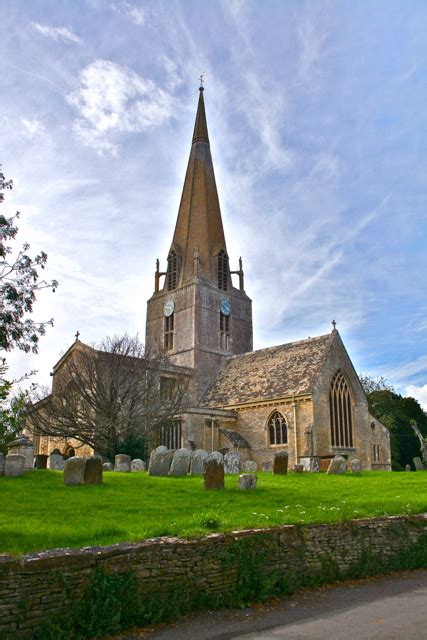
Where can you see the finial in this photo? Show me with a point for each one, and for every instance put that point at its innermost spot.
(334, 324)
(77, 335)
(202, 80)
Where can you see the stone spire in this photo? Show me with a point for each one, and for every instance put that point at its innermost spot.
(199, 222)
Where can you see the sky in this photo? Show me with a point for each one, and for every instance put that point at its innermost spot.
(317, 122)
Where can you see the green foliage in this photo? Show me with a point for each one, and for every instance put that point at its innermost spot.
(133, 445)
(12, 410)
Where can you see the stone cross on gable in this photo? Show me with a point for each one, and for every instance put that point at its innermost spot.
(77, 335)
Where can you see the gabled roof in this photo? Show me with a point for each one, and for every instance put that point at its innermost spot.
(277, 372)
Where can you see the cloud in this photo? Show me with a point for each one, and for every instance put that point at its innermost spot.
(111, 98)
(31, 128)
(57, 33)
(136, 14)
(408, 369)
(419, 393)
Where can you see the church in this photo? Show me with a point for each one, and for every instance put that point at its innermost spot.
(303, 397)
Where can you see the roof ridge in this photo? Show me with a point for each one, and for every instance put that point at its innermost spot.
(277, 346)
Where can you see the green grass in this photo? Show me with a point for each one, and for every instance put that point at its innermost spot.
(38, 512)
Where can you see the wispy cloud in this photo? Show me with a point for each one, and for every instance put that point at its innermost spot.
(63, 34)
(134, 13)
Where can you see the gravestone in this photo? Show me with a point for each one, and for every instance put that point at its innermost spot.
(250, 466)
(137, 465)
(196, 464)
(247, 481)
(407, 467)
(217, 455)
(160, 461)
(267, 466)
(93, 470)
(280, 464)
(14, 465)
(1, 464)
(337, 466)
(23, 446)
(418, 464)
(41, 461)
(74, 470)
(122, 463)
(213, 472)
(180, 462)
(56, 461)
(108, 466)
(232, 463)
(355, 466)
(298, 468)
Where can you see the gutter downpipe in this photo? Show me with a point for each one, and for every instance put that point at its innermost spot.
(294, 407)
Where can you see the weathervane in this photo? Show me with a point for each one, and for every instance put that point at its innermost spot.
(202, 79)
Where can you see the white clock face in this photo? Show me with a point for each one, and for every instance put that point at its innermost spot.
(225, 307)
(168, 308)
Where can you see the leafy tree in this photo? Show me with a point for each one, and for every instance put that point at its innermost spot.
(397, 413)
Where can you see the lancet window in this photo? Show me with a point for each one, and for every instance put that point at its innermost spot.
(172, 272)
(277, 429)
(224, 329)
(341, 412)
(222, 270)
(169, 329)
(169, 435)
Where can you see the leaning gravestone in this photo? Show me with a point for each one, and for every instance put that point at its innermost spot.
(298, 468)
(250, 466)
(74, 470)
(418, 464)
(247, 481)
(213, 472)
(337, 466)
(231, 463)
(56, 461)
(14, 465)
(108, 466)
(180, 462)
(93, 470)
(355, 466)
(160, 461)
(1, 464)
(196, 464)
(137, 465)
(122, 463)
(407, 467)
(280, 464)
(41, 461)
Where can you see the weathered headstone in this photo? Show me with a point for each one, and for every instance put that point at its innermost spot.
(232, 462)
(23, 446)
(280, 464)
(93, 470)
(56, 462)
(1, 464)
(213, 472)
(196, 464)
(160, 461)
(267, 466)
(418, 464)
(250, 466)
(298, 468)
(217, 455)
(137, 465)
(41, 461)
(74, 470)
(355, 466)
(180, 462)
(108, 466)
(337, 466)
(247, 481)
(14, 465)
(407, 467)
(122, 463)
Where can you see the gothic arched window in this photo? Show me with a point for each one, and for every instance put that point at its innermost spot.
(341, 412)
(172, 272)
(277, 429)
(222, 270)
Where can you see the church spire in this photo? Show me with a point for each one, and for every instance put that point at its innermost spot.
(199, 222)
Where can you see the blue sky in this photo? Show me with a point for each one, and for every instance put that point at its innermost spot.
(317, 119)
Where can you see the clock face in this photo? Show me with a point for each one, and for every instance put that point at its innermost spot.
(225, 307)
(168, 308)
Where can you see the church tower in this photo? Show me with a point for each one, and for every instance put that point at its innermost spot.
(197, 316)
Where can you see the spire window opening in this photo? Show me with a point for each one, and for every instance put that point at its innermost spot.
(169, 329)
(172, 272)
(341, 412)
(224, 329)
(277, 429)
(222, 270)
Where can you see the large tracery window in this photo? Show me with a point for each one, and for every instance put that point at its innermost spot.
(341, 412)
(277, 429)
(222, 270)
(172, 272)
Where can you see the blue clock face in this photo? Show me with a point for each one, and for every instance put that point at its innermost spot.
(225, 307)
(168, 308)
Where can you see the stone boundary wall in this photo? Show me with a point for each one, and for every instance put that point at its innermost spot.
(32, 588)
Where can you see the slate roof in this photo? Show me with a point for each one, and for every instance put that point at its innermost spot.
(285, 370)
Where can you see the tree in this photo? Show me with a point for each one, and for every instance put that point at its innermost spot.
(110, 396)
(397, 413)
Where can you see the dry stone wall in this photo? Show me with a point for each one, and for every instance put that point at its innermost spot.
(42, 586)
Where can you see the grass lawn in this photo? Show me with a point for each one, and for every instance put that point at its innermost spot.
(38, 512)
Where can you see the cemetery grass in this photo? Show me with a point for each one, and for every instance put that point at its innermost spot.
(38, 512)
